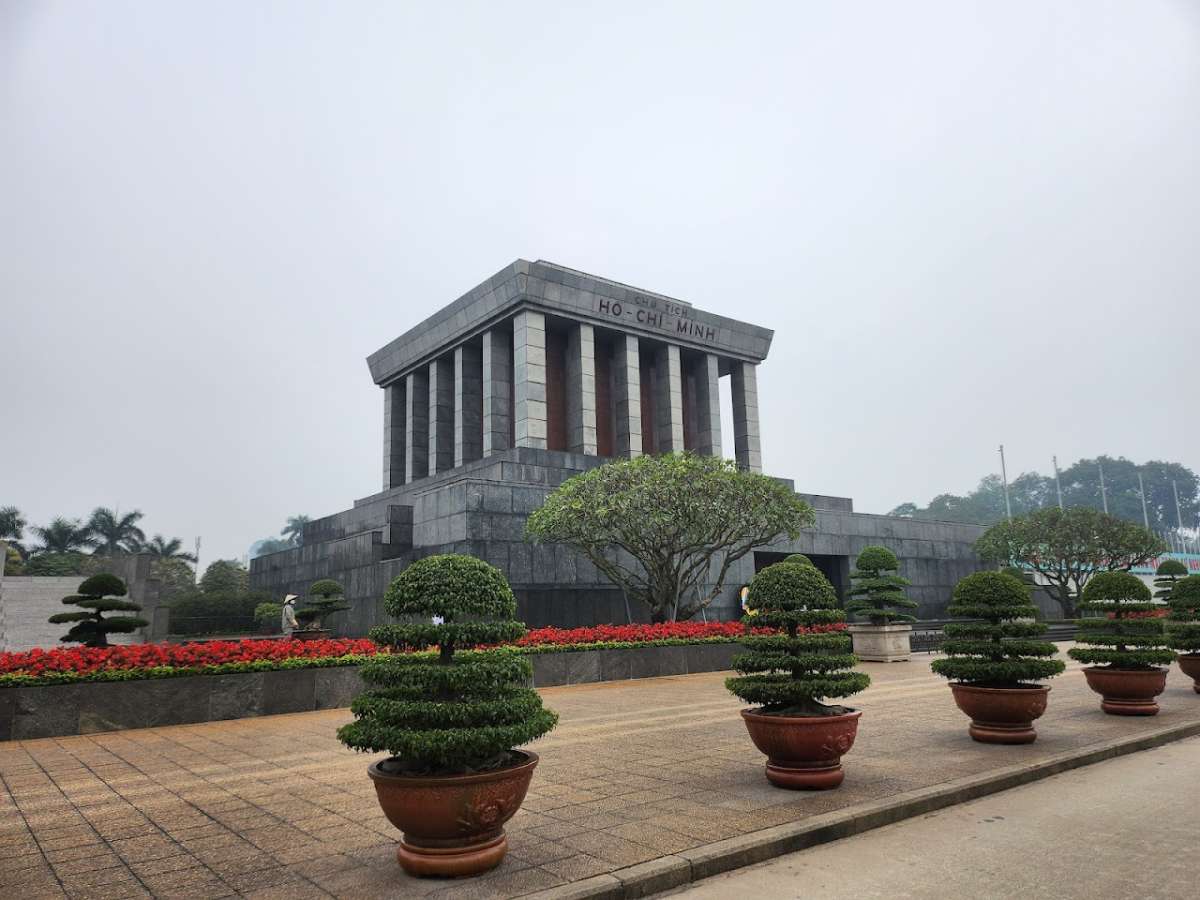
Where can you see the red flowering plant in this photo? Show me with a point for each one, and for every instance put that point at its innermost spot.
(136, 661)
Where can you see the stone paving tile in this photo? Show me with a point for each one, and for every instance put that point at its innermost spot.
(275, 808)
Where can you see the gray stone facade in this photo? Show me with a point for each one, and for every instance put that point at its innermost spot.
(538, 374)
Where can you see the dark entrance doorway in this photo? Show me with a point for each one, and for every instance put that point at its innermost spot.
(835, 568)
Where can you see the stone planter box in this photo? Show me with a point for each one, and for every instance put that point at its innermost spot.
(89, 707)
(881, 643)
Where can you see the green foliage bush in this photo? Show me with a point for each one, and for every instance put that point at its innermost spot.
(325, 599)
(1120, 639)
(1169, 571)
(799, 558)
(999, 651)
(197, 612)
(464, 709)
(97, 595)
(1183, 622)
(225, 576)
(788, 674)
(268, 614)
(878, 591)
(13, 563)
(57, 564)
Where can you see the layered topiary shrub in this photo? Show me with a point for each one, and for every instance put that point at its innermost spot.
(1169, 572)
(799, 558)
(1183, 622)
(1124, 636)
(878, 588)
(789, 674)
(999, 651)
(325, 597)
(461, 709)
(97, 595)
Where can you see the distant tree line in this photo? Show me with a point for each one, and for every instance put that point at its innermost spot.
(1080, 482)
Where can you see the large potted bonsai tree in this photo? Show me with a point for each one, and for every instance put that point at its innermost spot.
(96, 596)
(878, 596)
(1183, 627)
(993, 662)
(1124, 644)
(449, 721)
(788, 675)
(325, 597)
(1166, 576)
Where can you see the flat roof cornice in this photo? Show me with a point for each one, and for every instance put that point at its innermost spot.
(559, 291)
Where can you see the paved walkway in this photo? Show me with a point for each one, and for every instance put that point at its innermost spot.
(275, 807)
(1118, 829)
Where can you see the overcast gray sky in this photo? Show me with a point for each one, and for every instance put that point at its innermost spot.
(967, 222)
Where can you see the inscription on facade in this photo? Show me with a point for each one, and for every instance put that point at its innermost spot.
(650, 312)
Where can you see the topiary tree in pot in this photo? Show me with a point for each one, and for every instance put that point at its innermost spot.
(1125, 644)
(788, 675)
(1183, 627)
(449, 721)
(877, 594)
(992, 662)
(325, 597)
(1169, 572)
(97, 595)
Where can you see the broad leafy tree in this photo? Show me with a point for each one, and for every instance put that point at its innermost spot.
(98, 595)
(225, 576)
(113, 534)
(666, 529)
(61, 536)
(1068, 547)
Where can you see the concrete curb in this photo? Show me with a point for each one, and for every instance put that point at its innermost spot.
(707, 860)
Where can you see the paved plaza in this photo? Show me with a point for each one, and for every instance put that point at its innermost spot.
(637, 770)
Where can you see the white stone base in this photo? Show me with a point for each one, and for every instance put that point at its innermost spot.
(881, 643)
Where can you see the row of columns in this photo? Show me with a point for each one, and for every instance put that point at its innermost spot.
(490, 396)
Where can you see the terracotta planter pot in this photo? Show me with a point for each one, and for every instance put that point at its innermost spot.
(1189, 665)
(454, 824)
(803, 752)
(1127, 692)
(1001, 715)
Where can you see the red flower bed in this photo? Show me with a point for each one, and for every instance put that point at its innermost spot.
(86, 660)
(630, 634)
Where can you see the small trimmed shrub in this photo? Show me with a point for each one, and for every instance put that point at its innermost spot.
(268, 614)
(98, 595)
(789, 674)
(1183, 623)
(1121, 640)
(1000, 651)
(878, 588)
(325, 599)
(463, 709)
(1169, 572)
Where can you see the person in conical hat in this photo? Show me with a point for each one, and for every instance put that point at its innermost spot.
(289, 623)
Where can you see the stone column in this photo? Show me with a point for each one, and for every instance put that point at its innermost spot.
(416, 425)
(581, 390)
(393, 435)
(529, 378)
(668, 400)
(441, 415)
(627, 400)
(746, 446)
(708, 405)
(468, 404)
(497, 391)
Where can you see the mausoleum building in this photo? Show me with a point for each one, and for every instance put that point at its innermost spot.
(533, 376)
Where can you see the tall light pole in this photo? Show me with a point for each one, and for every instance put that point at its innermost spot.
(1145, 512)
(1103, 492)
(1057, 482)
(1004, 476)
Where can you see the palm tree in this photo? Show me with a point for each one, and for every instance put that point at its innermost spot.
(12, 527)
(112, 534)
(293, 531)
(61, 536)
(163, 549)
